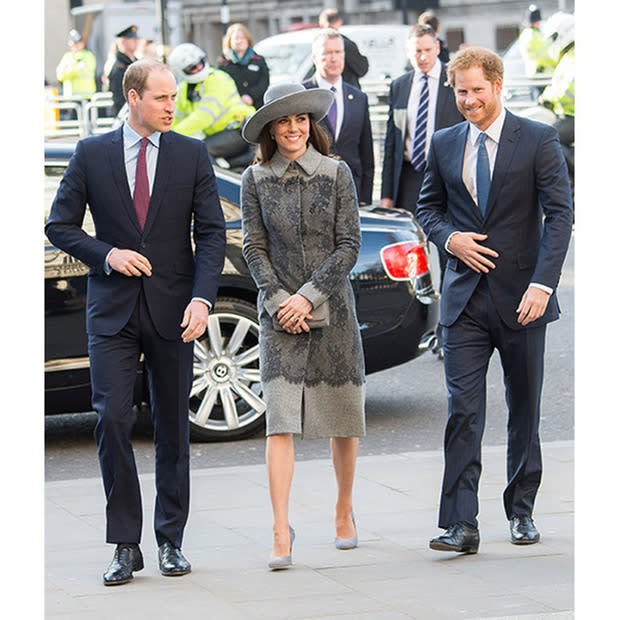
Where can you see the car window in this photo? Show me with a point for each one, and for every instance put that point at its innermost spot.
(285, 60)
(53, 174)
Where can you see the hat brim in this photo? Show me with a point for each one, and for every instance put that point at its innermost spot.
(313, 101)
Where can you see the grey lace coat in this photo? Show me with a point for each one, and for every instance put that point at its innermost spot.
(301, 233)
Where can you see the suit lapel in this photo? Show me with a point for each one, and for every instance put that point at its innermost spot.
(461, 134)
(508, 141)
(442, 96)
(116, 156)
(348, 101)
(401, 104)
(324, 123)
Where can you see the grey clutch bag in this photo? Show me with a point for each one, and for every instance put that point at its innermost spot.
(320, 318)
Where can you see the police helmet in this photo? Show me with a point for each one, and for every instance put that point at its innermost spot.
(534, 14)
(73, 37)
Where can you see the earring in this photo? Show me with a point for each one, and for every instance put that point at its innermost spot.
(272, 136)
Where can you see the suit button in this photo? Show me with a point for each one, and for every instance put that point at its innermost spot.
(143, 245)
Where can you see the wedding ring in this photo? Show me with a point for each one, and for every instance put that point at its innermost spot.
(295, 319)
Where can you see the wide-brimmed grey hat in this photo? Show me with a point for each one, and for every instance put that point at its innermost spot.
(284, 99)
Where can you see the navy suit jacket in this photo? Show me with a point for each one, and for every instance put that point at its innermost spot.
(446, 115)
(530, 179)
(184, 192)
(354, 144)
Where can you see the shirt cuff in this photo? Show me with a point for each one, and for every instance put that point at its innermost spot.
(204, 301)
(448, 242)
(542, 287)
(106, 265)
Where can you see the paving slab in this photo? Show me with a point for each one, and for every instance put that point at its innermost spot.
(392, 575)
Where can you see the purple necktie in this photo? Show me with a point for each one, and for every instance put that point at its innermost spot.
(332, 114)
(141, 189)
(418, 154)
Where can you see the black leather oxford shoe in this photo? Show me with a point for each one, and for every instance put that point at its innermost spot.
(171, 561)
(458, 537)
(523, 531)
(127, 559)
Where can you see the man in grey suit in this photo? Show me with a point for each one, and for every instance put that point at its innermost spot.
(496, 196)
(418, 99)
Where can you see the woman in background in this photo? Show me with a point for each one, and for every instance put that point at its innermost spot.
(244, 65)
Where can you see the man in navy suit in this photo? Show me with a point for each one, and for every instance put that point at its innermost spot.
(489, 182)
(348, 121)
(148, 293)
(401, 179)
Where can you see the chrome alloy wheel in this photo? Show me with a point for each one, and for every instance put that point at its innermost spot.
(225, 399)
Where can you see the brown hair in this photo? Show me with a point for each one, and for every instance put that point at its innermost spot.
(419, 30)
(137, 73)
(267, 145)
(229, 32)
(476, 56)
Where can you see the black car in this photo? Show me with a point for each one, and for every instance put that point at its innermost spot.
(396, 305)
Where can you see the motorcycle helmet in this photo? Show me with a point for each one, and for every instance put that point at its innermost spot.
(184, 60)
(560, 31)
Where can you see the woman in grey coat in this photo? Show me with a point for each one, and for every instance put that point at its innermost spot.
(301, 238)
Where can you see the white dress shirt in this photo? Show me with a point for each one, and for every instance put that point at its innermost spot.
(339, 95)
(131, 147)
(494, 131)
(412, 107)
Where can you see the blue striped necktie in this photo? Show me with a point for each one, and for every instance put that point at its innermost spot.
(418, 154)
(483, 174)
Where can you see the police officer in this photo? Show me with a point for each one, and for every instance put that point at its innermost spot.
(208, 103)
(534, 46)
(76, 69)
(127, 42)
(559, 96)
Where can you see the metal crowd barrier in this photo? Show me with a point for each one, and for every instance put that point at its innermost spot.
(77, 116)
(523, 92)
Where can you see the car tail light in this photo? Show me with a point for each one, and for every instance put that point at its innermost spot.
(405, 260)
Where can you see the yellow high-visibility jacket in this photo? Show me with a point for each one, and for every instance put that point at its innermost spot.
(534, 49)
(217, 106)
(76, 72)
(561, 91)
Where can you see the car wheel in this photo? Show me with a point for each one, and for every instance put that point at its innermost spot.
(226, 397)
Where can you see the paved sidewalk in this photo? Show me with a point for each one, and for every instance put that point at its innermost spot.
(392, 575)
